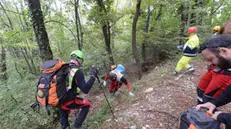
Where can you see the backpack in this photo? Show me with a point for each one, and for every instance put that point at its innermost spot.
(121, 69)
(193, 119)
(51, 89)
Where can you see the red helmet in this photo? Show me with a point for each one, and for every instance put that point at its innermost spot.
(192, 30)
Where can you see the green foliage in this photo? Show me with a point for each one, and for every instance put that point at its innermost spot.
(99, 117)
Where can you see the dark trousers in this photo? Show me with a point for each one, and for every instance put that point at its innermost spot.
(66, 108)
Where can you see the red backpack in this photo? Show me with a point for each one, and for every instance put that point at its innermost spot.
(53, 81)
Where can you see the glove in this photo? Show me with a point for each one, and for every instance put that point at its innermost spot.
(180, 47)
(131, 94)
(94, 72)
(104, 83)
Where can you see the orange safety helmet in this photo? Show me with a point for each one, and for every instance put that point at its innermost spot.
(192, 30)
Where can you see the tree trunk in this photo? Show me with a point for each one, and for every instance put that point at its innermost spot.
(40, 30)
(8, 18)
(159, 13)
(134, 48)
(194, 6)
(24, 16)
(106, 31)
(189, 14)
(3, 63)
(146, 31)
(78, 33)
(183, 24)
(158, 17)
(201, 14)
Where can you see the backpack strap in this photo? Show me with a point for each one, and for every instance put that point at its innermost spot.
(71, 76)
(47, 106)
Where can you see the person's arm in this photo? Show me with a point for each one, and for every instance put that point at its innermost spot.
(124, 80)
(80, 82)
(105, 80)
(106, 77)
(225, 118)
(223, 98)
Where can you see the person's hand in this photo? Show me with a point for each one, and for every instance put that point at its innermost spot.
(104, 83)
(216, 114)
(94, 72)
(131, 94)
(207, 105)
(180, 47)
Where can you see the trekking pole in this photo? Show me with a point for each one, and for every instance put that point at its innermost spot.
(105, 96)
(100, 85)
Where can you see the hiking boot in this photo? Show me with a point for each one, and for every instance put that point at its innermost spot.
(175, 73)
(191, 71)
(83, 127)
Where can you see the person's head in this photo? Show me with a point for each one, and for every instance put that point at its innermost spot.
(112, 76)
(77, 57)
(226, 27)
(216, 29)
(192, 31)
(212, 50)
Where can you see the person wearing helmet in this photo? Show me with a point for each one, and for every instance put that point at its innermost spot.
(216, 30)
(189, 51)
(221, 46)
(117, 79)
(77, 80)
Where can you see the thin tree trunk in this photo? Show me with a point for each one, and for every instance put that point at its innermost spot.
(20, 19)
(40, 30)
(159, 13)
(193, 14)
(158, 17)
(134, 47)
(189, 15)
(4, 23)
(24, 16)
(201, 13)
(8, 18)
(146, 31)
(183, 24)
(15, 65)
(24, 53)
(3, 63)
(106, 31)
(77, 23)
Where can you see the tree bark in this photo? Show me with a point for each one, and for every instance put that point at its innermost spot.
(78, 33)
(3, 63)
(183, 24)
(146, 31)
(105, 24)
(134, 47)
(159, 13)
(8, 18)
(40, 30)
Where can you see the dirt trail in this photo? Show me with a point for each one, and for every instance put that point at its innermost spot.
(159, 100)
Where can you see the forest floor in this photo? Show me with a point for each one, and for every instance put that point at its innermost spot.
(159, 99)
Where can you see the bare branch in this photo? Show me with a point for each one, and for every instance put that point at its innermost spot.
(62, 25)
(217, 8)
(11, 11)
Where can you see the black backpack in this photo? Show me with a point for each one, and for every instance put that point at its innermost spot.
(193, 119)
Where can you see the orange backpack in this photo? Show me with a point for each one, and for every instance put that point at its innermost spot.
(53, 81)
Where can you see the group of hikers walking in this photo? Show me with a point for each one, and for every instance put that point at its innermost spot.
(214, 87)
(60, 83)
